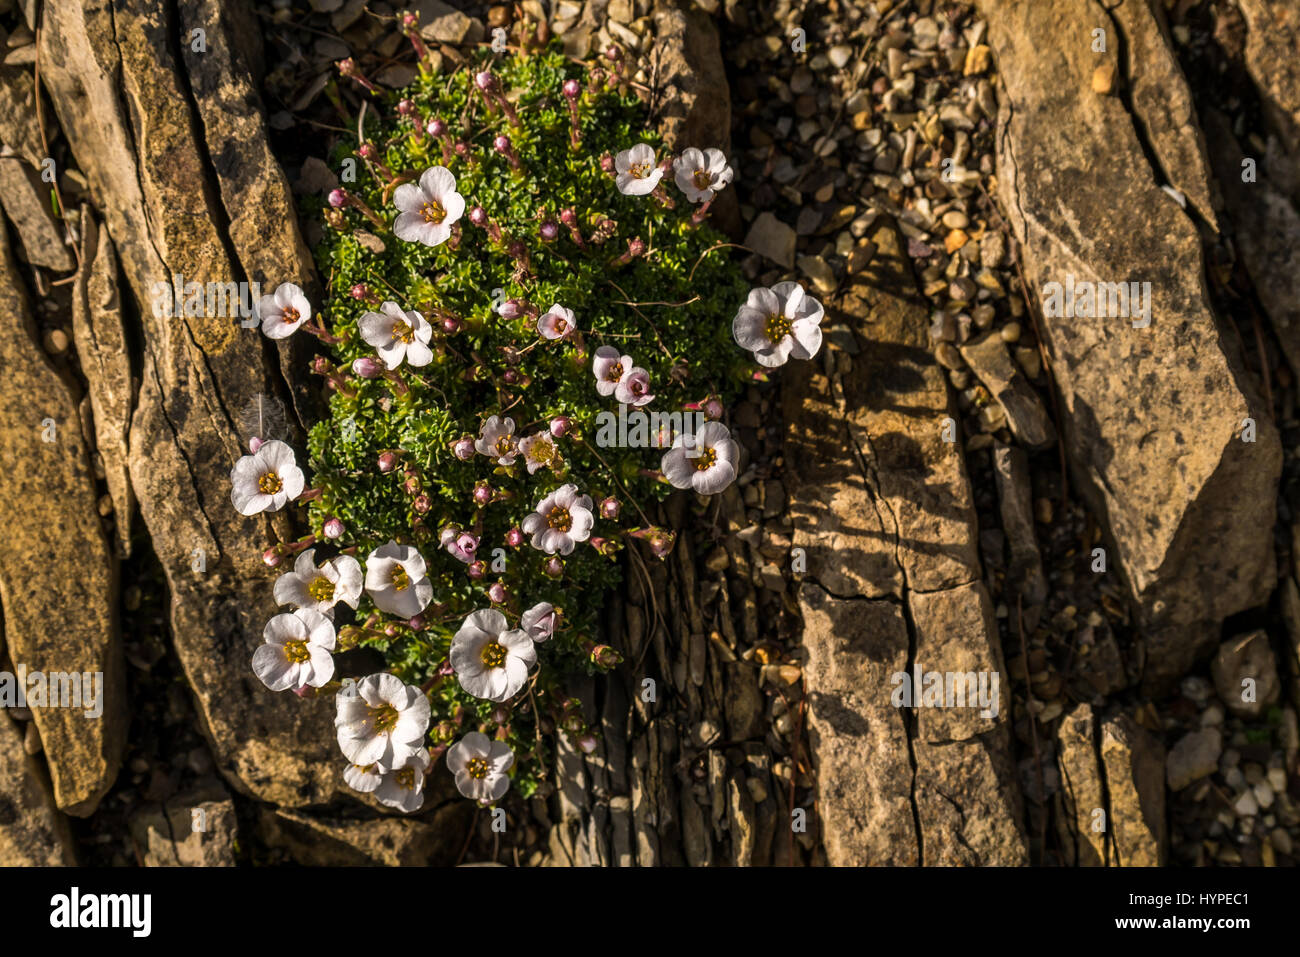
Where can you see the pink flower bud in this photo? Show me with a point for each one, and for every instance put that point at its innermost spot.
(477, 570)
(405, 107)
(409, 20)
(572, 88)
(463, 449)
(338, 197)
(436, 127)
(367, 151)
(514, 537)
(360, 291)
(272, 557)
(501, 144)
(712, 408)
(587, 743)
(462, 149)
(554, 566)
(549, 231)
(607, 163)
(511, 309)
(306, 691)
(603, 656)
(561, 425)
(450, 325)
(510, 376)
(613, 52)
(478, 216)
(255, 443)
(387, 461)
(610, 507)
(568, 217)
(333, 528)
(422, 504)
(497, 593)
(485, 81)
(500, 714)
(417, 623)
(482, 493)
(368, 367)
(390, 630)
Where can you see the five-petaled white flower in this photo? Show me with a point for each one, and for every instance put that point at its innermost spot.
(320, 587)
(778, 323)
(403, 787)
(496, 440)
(380, 720)
(712, 465)
(283, 311)
(267, 480)
(557, 323)
(426, 212)
(634, 388)
(490, 659)
(480, 767)
(297, 651)
(539, 451)
(538, 622)
(609, 366)
(701, 174)
(561, 520)
(398, 335)
(397, 580)
(638, 172)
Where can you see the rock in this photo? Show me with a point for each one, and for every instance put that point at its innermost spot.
(18, 127)
(1026, 416)
(443, 23)
(1103, 78)
(743, 702)
(98, 329)
(32, 831)
(816, 269)
(195, 829)
(102, 67)
(1083, 831)
(691, 80)
(1135, 780)
(1025, 571)
(58, 578)
(1152, 415)
(1272, 36)
(27, 204)
(431, 838)
(1289, 599)
(1245, 674)
(1194, 756)
(773, 239)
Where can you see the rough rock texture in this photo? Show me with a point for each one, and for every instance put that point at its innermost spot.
(1082, 791)
(32, 831)
(433, 838)
(1026, 416)
(1272, 37)
(1135, 781)
(1195, 755)
(1245, 674)
(27, 204)
(122, 99)
(58, 580)
(882, 505)
(693, 98)
(1153, 415)
(195, 829)
(18, 128)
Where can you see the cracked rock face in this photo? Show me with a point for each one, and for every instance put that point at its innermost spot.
(32, 831)
(882, 504)
(1154, 415)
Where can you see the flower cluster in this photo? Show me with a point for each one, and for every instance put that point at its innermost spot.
(462, 518)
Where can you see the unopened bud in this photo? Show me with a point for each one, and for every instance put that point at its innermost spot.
(368, 367)
(561, 425)
(387, 461)
(333, 528)
(463, 449)
(610, 507)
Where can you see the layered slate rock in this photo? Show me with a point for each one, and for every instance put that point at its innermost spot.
(1154, 416)
(58, 578)
(195, 829)
(882, 505)
(1083, 829)
(123, 101)
(32, 831)
(434, 838)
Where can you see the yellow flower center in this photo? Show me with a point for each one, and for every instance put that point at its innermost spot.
(477, 768)
(295, 651)
(615, 372)
(640, 170)
(560, 519)
(405, 778)
(402, 330)
(702, 179)
(269, 484)
(401, 581)
(433, 212)
(504, 445)
(493, 654)
(290, 315)
(706, 460)
(384, 718)
(543, 450)
(322, 589)
(777, 328)
(560, 325)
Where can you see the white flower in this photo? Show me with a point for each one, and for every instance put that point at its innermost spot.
(426, 212)
(364, 779)
(538, 450)
(713, 465)
(638, 173)
(634, 388)
(561, 520)
(557, 323)
(490, 660)
(496, 440)
(398, 335)
(396, 580)
(283, 311)
(297, 651)
(480, 767)
(381, 721)
(267, 480)
(701, 174)
(609, 367)
(778, 323)
(538, 622)
(403, 787)
(320, 588)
